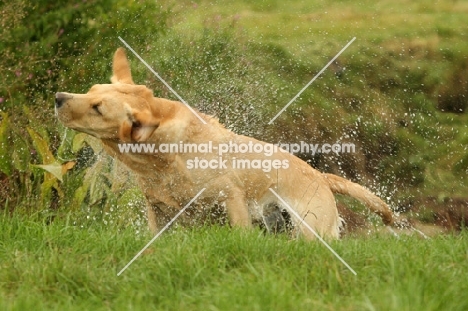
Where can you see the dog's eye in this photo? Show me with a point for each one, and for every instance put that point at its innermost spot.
(96, 108)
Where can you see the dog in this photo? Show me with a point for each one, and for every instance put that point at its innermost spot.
(123, 112)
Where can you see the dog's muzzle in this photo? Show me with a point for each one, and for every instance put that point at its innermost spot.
(60, 99)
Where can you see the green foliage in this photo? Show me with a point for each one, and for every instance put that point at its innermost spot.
(5, 163)
(55, 35)
(64, 46)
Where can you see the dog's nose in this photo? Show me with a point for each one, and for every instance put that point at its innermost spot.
(60, 99)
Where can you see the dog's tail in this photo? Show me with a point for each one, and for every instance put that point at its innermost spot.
(374, 203)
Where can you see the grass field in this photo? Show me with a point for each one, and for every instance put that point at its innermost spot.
(59, 266)
(62, 242)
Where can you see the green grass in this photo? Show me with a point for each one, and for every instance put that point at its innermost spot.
(304, 27)
(59, 266)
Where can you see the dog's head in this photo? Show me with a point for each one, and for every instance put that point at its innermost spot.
(118, 111)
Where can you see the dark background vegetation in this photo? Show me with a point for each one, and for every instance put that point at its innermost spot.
(400, 93)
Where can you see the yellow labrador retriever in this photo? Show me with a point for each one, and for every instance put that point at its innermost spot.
(240, 173)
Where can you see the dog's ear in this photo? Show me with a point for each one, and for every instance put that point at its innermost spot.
(125, 131)
(121, 68)
(139, 126)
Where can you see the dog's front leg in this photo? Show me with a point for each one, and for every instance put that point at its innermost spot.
(237, 210)
(157, 219)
